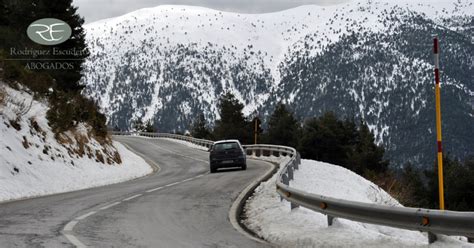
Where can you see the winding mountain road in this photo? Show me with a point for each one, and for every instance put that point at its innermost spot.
(181, 205)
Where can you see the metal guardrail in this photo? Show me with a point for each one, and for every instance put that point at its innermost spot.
(419, 219)
(201, 142)
(426, 220)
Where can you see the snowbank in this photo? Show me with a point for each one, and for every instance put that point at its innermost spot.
(275, 222)
(34, 163)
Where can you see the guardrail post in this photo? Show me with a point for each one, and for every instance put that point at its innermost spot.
(330, 220)
(285, 180)
(296, 164)
(431, 237)
(289, 169)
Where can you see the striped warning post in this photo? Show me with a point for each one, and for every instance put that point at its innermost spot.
(438, 123)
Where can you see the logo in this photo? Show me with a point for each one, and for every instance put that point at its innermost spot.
(49, 31)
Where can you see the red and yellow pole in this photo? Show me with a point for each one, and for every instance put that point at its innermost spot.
(438, 124)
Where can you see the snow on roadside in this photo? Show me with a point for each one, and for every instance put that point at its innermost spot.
(51, 178)
(275, 222)
(34, 163)
(188, 144)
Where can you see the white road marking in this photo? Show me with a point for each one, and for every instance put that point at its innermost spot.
(109, 206)
(70, 225)
(171, 184)
(155, 189)
(156, 168)
(67, 231)
(132, 197)
(74, 241)
(86, 215)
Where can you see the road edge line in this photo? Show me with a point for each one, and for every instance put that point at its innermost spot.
(154, 166)
(237, 208)
(73, 240)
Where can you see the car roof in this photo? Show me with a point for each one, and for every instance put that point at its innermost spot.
(226, 141)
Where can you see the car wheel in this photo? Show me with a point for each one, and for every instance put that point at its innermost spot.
(244, 166)
(213, 169)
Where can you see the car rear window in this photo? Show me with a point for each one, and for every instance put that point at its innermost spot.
(226, 146)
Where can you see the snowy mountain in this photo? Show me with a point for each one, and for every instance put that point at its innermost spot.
(369, 60)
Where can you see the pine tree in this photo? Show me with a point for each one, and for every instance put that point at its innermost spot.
(3, 13)
(232, 124)
(364, 154)
(342, 143)
(322, 140)
(18, 15)
(149, 127)
(138, 125)
(199, 129)
(282, 127)
(64, 10)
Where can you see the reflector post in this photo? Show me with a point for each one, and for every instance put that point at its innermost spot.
(438, 124)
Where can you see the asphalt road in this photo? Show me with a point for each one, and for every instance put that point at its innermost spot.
(180, 206)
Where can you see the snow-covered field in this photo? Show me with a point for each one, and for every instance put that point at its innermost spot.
(275, 222)
(34, 163)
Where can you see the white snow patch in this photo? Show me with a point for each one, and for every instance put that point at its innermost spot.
(33, 163)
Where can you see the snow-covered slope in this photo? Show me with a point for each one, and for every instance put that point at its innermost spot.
(270, 33)
(365, 59)
(33, 162)
(274, 221)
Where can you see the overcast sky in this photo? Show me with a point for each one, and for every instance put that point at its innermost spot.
(93, 10)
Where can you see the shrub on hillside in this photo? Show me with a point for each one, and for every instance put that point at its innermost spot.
(2, 97)
(68, 109)
(458, 184)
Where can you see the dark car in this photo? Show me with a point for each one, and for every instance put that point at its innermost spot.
(227, 153)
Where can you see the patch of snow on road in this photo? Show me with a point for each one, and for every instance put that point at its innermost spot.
(273, 220)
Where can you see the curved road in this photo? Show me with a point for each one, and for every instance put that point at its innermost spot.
(180, 206)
